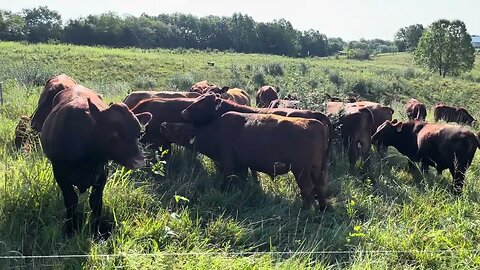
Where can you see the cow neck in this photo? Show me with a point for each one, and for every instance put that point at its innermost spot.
(207, 140)
(406, 141)
(228, 106)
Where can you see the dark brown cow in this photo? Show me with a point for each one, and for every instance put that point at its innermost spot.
(135, 97)
(52, 87)
(441, 146)
(79, 136)
(162, 110)
(415, 110)
(264, 142)
(355, 125)
(452, 114)
(265, 95)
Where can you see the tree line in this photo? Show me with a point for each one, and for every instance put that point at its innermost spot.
(239, 33)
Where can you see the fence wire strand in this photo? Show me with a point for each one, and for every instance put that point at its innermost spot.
(253, 253)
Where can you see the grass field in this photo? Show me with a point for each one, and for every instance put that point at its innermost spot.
(183, 219)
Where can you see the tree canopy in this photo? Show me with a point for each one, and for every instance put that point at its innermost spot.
(446, 48)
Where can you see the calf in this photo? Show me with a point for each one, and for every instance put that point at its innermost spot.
(162, 110)
(267, 143)
(452, 114)
(79, 136)
(415, 110)
(265, 95)
(135, 97)
(441, 146)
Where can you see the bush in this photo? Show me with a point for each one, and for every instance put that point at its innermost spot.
(304, 68)
(181, 81)
(259, 78)
(274, 69)
(358, 54)
(334, 78)
(145, 82)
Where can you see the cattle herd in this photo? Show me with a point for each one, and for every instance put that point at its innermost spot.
(80, 133)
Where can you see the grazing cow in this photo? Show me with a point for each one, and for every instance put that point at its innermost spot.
(267, 143)
(79, 136)
(265, 95)
(285, 103)
(135, 97)
(162, 110)
(203, 87)
(452, 114)
(355, 126)
(415, 110)
(52, 87)
(441, 146)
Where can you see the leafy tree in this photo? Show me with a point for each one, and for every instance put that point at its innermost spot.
(42, 24)
(335, 45)
(313, 43)
(11, 26)
(446, 47)
(407, 37)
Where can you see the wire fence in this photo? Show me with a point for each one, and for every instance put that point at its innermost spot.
(247, 253)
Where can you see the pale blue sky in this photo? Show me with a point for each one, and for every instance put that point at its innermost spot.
(348, 19)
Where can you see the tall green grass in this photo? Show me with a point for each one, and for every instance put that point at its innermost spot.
(184, 219)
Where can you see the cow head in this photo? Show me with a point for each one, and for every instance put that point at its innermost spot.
(117, 132)
(203, 110)
(387, 133)
(178, 133)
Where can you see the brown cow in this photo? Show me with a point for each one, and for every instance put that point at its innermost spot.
(441, 146)
(237, 95)
(380, 115)
(267, 143)
(203, 87)
(452, 114)
(79, 136)
(209, 107)
(52, 87)
(355, 125)
(162, 110)
(265, 95)
(415, 110)
(135, 97)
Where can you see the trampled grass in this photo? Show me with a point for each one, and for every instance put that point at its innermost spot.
(185, 220)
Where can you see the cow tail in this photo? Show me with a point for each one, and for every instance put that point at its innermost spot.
(331, 134)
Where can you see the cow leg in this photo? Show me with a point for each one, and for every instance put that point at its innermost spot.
(352, 155)
(424, 168)
(70, 200)
(320, 182)
(96, 202)
(304, 182)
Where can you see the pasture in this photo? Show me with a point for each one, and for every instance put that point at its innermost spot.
(175, 215)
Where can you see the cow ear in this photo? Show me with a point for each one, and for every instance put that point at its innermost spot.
(224, 89)
(94, 111)
(144, 118)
